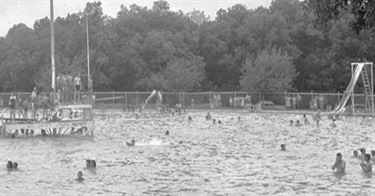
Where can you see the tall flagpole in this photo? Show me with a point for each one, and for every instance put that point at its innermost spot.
(52, 49)
(88, 47)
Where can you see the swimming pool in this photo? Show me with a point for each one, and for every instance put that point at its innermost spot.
(232, 158)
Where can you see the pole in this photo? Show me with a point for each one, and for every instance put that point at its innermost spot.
(88, 47)
(353, 109)
(52, 50)
(372, 89)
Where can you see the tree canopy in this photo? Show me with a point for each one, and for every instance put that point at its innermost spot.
(144, 48)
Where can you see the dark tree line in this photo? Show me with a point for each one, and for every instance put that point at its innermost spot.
(305, 45)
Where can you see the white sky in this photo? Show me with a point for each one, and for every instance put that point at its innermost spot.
(28, 11)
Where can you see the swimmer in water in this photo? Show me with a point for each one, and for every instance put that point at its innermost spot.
(208, 116)
(355, 154)
(291, 123)
(366, 165)
(333, 124)
(190, 119)
(214, 121)
(298, 124)
(339, 164)
(373, 156)
(219, 122)
(283, 147)
(132, 143)
(363, 153)
(167, 133)
(80, 176)
(10, 165)
(239, 119)
(15, 165)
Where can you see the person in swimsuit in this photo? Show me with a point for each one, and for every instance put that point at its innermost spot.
(80, 176)
(12, 105)
(373, 156)
(77, 85)
(355, 154)
(132, 143)
(283, 147)
(366, 165)
(339, 164)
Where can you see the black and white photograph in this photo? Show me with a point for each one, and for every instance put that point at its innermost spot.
(187, 97)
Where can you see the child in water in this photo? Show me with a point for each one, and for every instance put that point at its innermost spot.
(333, 124)
(291, 123)
(298, 124)
(306, 121)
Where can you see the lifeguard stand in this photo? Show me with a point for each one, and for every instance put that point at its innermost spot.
(367, 73)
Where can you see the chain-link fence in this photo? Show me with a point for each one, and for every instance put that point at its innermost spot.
(215, 100)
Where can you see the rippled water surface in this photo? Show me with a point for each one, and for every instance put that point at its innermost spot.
(232, 158)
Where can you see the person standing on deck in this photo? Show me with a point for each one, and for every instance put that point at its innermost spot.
(77, 85)
(70, 84)
(294, 102)
(299, 99)
(64, 87)
(12, 105)
(90, 87)
(33, 99)
(321, 102)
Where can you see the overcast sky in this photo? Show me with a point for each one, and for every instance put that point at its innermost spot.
(28, 11)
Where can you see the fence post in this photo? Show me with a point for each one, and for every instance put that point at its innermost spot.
(183, 99)
(312, 95)
(113, 98)
(137, 97)
(126, 99)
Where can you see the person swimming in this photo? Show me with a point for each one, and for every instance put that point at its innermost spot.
(167, 133)
(340, 164)
(363, 153)
(132, 143)
(80, 176)
(239, 119)
(333, 124)
(373, 156)
(219, 121)
(10, 165)
(90, 163)
(190, 119)
(355, 153)
(366, 164)
(291, 123)
(208, 116)
(214, 121)
(15, 165)
(306, 120)
(283, 147)
(298, 124)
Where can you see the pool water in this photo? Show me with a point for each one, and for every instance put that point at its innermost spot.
(231, 158)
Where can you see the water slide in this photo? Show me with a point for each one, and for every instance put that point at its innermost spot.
(349, 89)
(158, 95)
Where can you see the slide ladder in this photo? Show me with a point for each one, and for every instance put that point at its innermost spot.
(366, 84)
(341, 106)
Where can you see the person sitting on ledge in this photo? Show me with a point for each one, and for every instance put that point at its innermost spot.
(132, 143)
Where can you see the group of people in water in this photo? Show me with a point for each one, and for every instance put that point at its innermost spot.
(366, 165)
